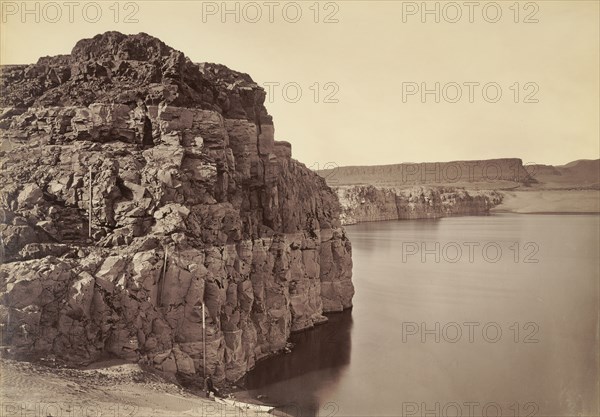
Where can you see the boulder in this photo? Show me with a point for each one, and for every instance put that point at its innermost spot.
(30, 196)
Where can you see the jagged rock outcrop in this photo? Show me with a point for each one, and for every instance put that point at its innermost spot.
(192, 201)
(364, 203)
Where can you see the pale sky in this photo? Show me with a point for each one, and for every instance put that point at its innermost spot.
(370, 56)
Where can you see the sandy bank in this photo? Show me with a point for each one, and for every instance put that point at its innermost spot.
(109, 389)
(550, 201)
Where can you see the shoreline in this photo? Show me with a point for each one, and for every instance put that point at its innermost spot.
(550, 201)
(567, 213)
(106, 387)
(565, 202)
(490, 213)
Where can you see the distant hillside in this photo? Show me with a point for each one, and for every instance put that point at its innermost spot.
(506, 173)
(502, 173)
(579, 162)
(583, 173)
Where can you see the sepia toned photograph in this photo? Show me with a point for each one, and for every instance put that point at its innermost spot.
(311, 208)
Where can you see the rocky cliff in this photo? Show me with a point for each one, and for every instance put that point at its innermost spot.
(363, 203)
(192, 201)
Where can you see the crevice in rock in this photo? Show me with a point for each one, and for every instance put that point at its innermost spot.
(147, 139)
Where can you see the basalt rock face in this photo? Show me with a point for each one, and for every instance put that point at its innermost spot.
(368, 203)
(192, 202)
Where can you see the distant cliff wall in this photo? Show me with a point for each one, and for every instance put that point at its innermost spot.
(368, 203)
(477, 174)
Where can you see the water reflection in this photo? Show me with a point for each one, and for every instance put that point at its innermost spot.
(298, 381)
(385, 372)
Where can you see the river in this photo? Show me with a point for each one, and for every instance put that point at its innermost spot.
(461, 316)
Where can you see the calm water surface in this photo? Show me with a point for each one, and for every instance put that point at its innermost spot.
(473, 333)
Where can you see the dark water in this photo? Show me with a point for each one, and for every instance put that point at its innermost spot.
(479, 333)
